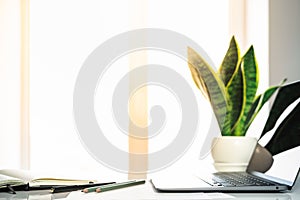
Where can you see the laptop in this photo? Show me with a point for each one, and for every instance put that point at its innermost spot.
(281, 177)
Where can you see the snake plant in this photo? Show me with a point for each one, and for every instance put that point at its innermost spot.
(232, 90)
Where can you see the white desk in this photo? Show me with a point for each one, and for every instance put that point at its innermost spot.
(146, 192)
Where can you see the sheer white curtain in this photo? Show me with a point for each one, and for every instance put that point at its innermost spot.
(61, 39)
(63, 33)
(10, 47)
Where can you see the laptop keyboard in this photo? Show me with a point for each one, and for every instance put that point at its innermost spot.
(238, 179)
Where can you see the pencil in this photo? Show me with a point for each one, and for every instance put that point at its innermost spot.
(113, 186)
(118, 186)
(69, 188)
(93, 189)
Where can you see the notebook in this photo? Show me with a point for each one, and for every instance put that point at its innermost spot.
(16, 177)
(281, 177)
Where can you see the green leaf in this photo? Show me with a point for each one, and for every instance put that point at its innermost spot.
(235, 90)
(213, 86)
(255, 108)
(287, 136)
(230, 62)
(259, 102)
(199, 82)
(286, 95)
(250, 84)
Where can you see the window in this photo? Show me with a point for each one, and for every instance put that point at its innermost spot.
(64, 33)
(9, 84)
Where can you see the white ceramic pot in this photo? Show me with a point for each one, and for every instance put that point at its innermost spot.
(232, 153)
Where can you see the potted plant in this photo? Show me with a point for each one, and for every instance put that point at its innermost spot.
(232, 93)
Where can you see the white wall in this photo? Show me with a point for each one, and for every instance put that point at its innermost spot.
(284, 40)
(284, 51)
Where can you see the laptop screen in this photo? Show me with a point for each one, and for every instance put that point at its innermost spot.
(286, 165)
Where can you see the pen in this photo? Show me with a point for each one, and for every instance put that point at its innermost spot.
(69, 188)
(113, 186)
(10, 189)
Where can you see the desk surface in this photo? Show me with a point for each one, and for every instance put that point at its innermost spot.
(146, 192)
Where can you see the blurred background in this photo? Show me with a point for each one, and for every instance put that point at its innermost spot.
(43, 45)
